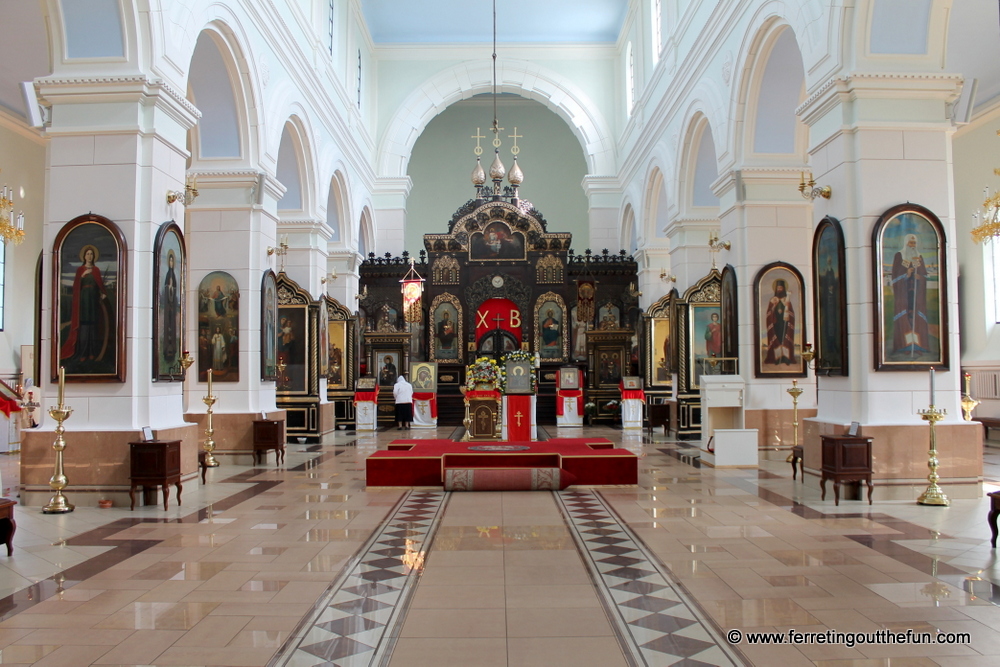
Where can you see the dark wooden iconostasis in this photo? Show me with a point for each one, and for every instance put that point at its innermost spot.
(499, 281)
(316, 339)
(701, 349)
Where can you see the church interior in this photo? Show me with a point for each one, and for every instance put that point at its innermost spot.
(617, 332)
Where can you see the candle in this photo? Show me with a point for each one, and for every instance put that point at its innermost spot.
(209, 381)
(932, 386)
(62, 384)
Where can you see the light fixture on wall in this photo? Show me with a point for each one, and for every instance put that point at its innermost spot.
(715, 245)
(187, 195)
(11, 227)
(497, 169)
(809, 190)
(280, 251)
(664, 276)
(329, 278)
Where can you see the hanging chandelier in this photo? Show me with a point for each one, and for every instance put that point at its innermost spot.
(497, 169)
(986, 222)
(11, 227)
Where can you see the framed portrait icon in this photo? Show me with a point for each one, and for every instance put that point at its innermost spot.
(911, 304)
(830, 298)
(169, 290)
(423, 376)
(518, 377)
(569, 378)
(779, 319)
(632, 382)
(88, 300)
(269, 326)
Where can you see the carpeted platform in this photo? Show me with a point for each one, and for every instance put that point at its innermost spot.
(591, 461)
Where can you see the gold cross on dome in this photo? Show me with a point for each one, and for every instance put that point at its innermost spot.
(514, 150)
(478, 150)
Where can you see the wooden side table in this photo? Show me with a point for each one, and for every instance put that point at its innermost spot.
(8, 526)
(269, 434)
(991, 518)
(846, 459)
(155, 463)
(796, 461)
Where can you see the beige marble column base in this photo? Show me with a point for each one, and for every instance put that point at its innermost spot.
(774, 431)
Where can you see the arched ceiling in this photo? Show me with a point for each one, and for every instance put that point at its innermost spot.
(461, 21)
(24, 51)
(974, 45)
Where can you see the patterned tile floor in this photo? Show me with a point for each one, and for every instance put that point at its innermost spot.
(284, 565)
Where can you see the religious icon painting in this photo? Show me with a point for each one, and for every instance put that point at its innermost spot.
(269, 326)
(218, 328)
(337, 334)
(830, 298)
(387, 364)
(661, 351)
(705, 338)
(293, 348)
(730, 313)
(423, 376)
(779, 319)
(569, 377)
(446, 329)
(632, 382)
(496, 241)
(609, 361)
(366, 383)
(169, 272)
(324, 339)
(88, 301)
(551, 340)
(518, 377)
(911, 306)
(608, 317)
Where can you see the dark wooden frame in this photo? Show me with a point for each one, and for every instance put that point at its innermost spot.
(181, 269)
(121, 289)
(822, 365)
(552, 297)
(881, 364)
(760, 326)
(203, 368)
(730, 313)
(337, 312)
(661, 314)
(268, 279)
(454, 302)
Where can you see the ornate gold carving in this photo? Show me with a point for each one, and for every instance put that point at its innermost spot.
(445, 271)
(550, 270)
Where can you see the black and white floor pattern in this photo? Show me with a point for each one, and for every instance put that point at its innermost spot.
(655, 621)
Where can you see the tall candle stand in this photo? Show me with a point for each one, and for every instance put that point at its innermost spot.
(795, 391)
(933, 495)
(210, 461)
(58, 503)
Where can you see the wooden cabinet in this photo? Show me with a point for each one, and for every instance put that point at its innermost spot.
(846, 459)
(155, 463)
(269, 434)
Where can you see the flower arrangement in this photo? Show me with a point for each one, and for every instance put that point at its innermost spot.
(484, 371)
(613, 406)
(520, 355)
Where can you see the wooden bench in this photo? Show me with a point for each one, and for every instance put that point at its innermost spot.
(991, 517)
(988, 423)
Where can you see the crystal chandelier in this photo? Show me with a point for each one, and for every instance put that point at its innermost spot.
(11, 227)
(986, 223)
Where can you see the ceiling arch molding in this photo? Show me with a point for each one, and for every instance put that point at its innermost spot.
(519, 77)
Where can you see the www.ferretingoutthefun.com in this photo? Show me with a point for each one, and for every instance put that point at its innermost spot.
(849, 639)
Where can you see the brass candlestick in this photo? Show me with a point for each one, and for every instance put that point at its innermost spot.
(210, 461)
(186, 362)
(933, 495)
(58, 503)
(467, 422)
(795, 391)
(968, 403)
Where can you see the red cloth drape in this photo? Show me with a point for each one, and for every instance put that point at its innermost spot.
(569, 393)
(632, 393)
(369, 396)
(518, 428)
(428, 396)
(488, 393)
(9, 405)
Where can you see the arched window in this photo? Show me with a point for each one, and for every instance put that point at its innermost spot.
(629, 79)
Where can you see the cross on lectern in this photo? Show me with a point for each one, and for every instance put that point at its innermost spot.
(519, 414)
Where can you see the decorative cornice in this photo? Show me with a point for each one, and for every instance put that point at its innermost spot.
(47, 84)
(878, 85)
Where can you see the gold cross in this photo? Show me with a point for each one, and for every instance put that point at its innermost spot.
(496, 133)
(514, 150)
(478, 150)
(518, 415)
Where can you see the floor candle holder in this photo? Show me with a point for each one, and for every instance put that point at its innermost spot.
(933, 495)
(210, 461)
(58, 503)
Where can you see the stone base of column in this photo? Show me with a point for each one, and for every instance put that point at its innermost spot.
(775, 435)
(900, 453)
(96, 463)
(233, 434)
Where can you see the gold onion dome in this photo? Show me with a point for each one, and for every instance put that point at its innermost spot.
(478, 175)
(516, 175)
(497, 170)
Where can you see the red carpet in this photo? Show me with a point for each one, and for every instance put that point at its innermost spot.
(424, 462)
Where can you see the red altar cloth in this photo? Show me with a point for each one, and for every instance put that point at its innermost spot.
(632, 393)
(428, 396)
(488, 393)
(9, 405)
(569, 393)
(366, 396)
(519, 417)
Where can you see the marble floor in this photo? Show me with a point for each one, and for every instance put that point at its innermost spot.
(302, 565)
